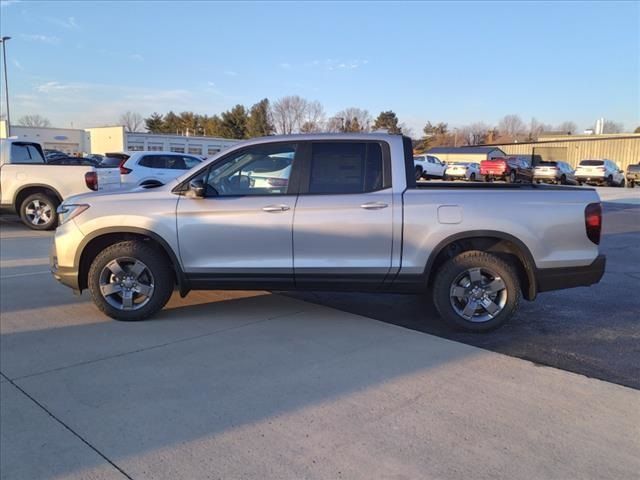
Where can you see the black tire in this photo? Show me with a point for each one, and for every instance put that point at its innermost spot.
(622, 182)
(156, 262)
(31, 216)
(609, 181)
(631, 184)
(445, 281)
(563, 180)
(472, 177)
(419, 173)
(512, 177)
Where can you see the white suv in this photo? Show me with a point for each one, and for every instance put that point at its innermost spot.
(151, 169)
(602, 172)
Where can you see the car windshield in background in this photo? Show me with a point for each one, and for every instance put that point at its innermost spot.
(547, 164)
(592, 163)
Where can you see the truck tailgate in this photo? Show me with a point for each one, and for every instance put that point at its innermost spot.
(108, 179)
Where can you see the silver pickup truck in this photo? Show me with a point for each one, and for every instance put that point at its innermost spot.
(331, 212)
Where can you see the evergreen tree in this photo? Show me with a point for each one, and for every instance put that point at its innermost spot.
(172, 124)
(389, 121)
(259, 121)
(154, 123)
(234, 123)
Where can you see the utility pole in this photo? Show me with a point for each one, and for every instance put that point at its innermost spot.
(6, 82)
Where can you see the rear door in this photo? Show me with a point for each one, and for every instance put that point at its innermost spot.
(342, 231)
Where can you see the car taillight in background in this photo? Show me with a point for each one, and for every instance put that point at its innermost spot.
(91, 179)
(593, 222)
(124, 170)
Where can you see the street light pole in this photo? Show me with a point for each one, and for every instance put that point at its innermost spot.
(6, 82)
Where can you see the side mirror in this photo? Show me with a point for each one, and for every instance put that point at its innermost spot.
(197, 188)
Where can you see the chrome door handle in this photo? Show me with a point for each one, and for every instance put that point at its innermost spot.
(276, 208)
(374, 206)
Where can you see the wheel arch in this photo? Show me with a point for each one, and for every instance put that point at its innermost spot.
(500, 243)
(94, 243)
(26, 190)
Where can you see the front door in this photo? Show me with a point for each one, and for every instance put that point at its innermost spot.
(343, 226)
(240, 232)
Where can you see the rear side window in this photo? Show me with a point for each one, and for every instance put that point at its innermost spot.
(153, 161)
(22, 153)
(591, 163)
(346, 168)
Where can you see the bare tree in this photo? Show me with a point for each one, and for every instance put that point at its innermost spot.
(612, 127)
(512, 126)
(351, 119)
(314, 118)
(34, 121)
(567, 127)
(132, 121)
(288, 114)
(474, 134)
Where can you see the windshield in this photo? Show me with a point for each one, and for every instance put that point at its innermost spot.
(591, 163)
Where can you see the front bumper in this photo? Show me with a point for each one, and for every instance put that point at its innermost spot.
(66, 275)
(548, 279)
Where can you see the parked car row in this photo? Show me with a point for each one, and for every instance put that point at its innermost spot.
(521, 169)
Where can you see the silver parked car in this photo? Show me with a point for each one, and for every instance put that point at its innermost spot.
(554, 172)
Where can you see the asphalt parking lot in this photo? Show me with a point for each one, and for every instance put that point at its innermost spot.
(594, 331)
(258, 385)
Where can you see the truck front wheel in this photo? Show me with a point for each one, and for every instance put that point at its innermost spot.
(130, 280)
(38, 212)
(476, 291)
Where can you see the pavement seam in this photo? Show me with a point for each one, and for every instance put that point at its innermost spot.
(72, 431)
(153, 347)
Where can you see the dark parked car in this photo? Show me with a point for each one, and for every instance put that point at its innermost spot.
(512, 169)
(633, 175)
(66, 160)
(111, 162)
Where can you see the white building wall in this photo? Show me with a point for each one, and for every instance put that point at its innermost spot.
(115, 139)
(68, 140)
(206, 146)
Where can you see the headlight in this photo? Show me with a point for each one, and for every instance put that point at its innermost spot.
(68, 211)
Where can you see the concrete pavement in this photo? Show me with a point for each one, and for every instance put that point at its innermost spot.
(254, 385)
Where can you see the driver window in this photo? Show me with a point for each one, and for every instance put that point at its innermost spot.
(259, 170)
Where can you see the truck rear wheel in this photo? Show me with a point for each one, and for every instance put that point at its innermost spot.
(476, 291)
(38, 212)
(130, 280)
(512, 177)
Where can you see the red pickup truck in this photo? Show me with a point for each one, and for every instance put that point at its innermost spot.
(512, 169)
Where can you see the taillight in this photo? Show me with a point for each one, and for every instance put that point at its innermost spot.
(593, 221)
(124, 170)
(278, 182)
(91, 179)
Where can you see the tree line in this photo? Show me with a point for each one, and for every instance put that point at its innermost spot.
(287, 115)
(510, 129)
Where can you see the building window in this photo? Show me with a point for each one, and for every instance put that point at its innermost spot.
(156, 147)
(135, 147)
(212, 150)
(195, 149)
(177, 148)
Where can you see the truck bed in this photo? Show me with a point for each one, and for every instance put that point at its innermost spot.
(494, 186)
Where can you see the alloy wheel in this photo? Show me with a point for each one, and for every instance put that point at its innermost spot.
(126, 283)
(478, 294)
(38, 212)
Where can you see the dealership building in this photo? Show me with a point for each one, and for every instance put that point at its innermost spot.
(101, 140)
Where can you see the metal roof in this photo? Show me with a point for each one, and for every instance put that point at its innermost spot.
(463, 150)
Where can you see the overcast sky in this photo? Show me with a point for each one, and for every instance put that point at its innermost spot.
(85, 63)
